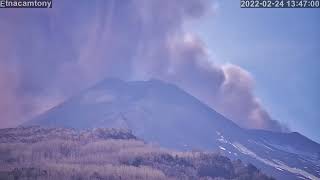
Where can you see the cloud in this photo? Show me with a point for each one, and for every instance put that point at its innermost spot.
(49, 55)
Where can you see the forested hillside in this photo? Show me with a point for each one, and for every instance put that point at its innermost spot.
(110, 154)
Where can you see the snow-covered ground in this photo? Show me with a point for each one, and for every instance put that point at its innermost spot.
(279, 165)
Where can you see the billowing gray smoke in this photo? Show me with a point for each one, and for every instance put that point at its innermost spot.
(49, 55)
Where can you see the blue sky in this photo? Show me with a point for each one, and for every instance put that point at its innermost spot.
(281, 49)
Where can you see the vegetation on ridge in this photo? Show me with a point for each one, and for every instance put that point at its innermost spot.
(110, 154)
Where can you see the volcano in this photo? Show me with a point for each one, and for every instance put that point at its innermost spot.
(162, 113)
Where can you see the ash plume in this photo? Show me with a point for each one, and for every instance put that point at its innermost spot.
(47, 56)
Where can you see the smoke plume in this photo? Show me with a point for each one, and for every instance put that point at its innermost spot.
(47, 56)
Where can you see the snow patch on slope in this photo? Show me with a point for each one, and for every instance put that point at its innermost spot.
(222, 139)
(278, 164)
(222, 148)
(306, 155)
(261, 144)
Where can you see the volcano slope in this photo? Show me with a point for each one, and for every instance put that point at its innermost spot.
(162, 113)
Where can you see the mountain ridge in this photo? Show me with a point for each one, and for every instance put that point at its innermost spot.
(163, 113)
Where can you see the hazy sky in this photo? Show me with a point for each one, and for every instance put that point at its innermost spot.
(281, 49)
(254, 66)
